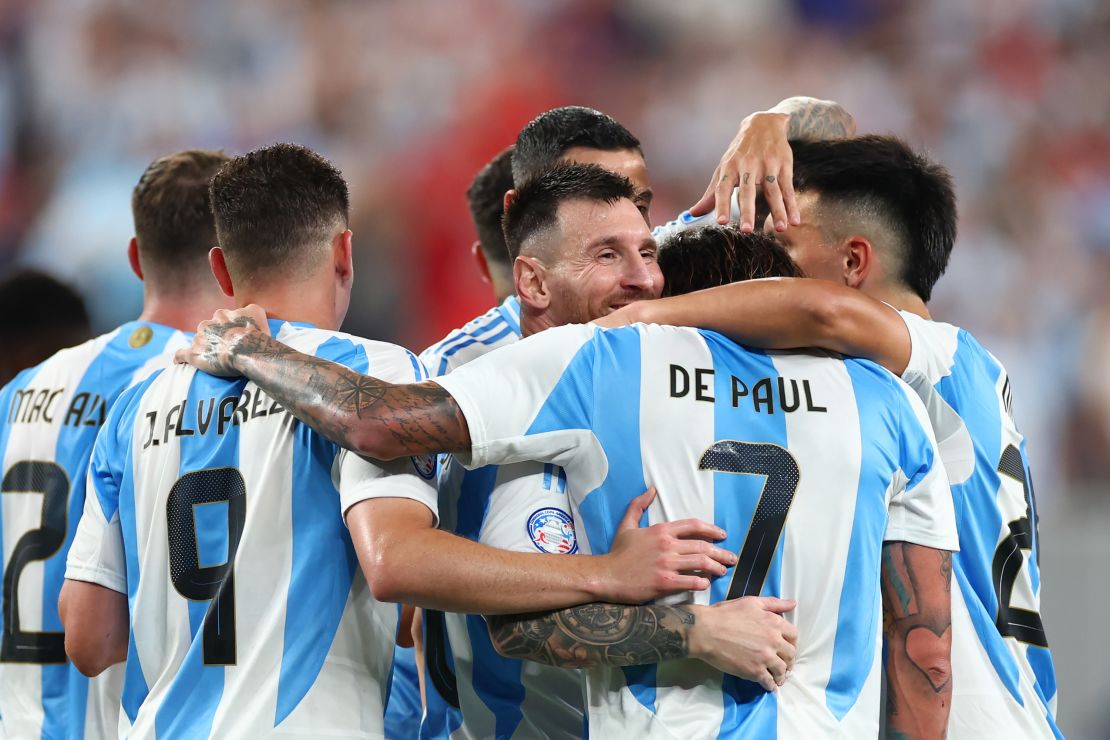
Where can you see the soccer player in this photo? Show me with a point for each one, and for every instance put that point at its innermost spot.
(51, 414)
(584, 283)
(878, 225)
(39, 315)
(246, 617)
(813, 462)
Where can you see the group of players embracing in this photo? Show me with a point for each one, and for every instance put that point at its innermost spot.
(783, 484)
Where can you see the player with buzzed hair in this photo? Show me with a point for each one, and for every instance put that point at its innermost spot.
(49, 417)
(754, 439)
(878, 223)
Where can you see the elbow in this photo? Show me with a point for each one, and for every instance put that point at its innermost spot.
(90, 656)
(826, 312)
(934, 661)
(372, 440)
(385, 578)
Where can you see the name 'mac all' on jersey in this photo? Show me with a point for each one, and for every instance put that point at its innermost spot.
(472, 692)
(50, 416)
(809, 463)
(1003, 680)
(218, 514)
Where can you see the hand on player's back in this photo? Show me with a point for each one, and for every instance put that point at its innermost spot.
(747, 638)
(649, 562)
(216, 340)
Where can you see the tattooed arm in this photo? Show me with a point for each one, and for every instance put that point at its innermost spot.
(744, 637)
(759, 159)
(369, 416)
(917, 622)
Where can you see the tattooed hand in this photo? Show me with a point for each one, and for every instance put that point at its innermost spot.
(746, 637)
(760, 158)
(219, 339)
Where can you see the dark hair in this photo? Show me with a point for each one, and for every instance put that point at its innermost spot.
(706, 257)
(173, 222)
(880, 183)
(39, 315)
(547, 138)
(272, 203)
(486, 198)
(537, 202)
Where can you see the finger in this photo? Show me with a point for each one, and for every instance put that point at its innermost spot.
(701, 563)
(636, 509)
(776, 605)
(690, 529)
(786, 184)
(723, 199)
(787, 652)
(181, 356)
(701, 547)
(778, 671)
(679, 583)
(767, 681)
(790, 633)
(705, 205)
(773, 193)
(748, 182)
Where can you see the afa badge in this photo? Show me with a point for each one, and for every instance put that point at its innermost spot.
(552, 531)
(140, 337)
(425, 466)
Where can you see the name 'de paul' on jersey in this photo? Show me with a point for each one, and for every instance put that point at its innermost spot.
(210, 415)
(765, 394)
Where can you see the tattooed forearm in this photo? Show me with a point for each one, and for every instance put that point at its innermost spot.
(816, 120)
(359, 412)
(595, 634)
(917, 622)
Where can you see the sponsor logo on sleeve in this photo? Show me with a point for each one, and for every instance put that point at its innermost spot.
(552, 531)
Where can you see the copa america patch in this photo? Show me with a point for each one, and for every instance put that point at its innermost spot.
(552, 531)
(425, 465)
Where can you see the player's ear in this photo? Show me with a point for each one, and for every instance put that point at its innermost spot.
(859, 260)
(531, 286)
(510, 196)
(133, 257)
(344, 257)
(219, 268)
(479, 258)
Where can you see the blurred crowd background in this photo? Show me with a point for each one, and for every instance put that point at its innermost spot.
(409, 98)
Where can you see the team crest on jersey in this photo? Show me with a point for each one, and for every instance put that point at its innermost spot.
(425, 465)
(552, 530)
(140, 337)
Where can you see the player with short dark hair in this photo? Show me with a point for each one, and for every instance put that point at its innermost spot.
(755, 438)
(49, 417)
(697, 259)
(880, 218)
(551, 135)
(39, 315)
(486, 199)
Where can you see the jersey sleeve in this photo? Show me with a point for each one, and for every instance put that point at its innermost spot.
(921, 509)
(358, 478)
(96, 555)
(532, 400)
(930, 351)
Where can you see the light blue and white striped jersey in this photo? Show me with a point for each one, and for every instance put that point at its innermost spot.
(472, 692)
(51, 414)
(219, 516)
(495, 328)
(808, 462)
(1003, 680)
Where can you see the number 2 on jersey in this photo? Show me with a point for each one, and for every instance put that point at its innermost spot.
(1012, 621)
(215, 583)
(782, 476)
(50, 480)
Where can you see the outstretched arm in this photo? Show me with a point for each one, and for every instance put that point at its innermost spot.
(746, 637)
(759, 157)
(359, 412)
(785, 313)
(917, 621)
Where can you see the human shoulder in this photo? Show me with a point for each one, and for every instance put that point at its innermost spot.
(382, 360)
